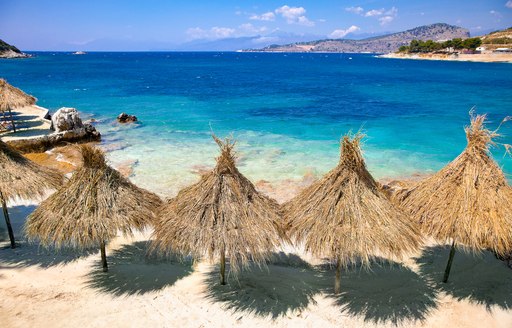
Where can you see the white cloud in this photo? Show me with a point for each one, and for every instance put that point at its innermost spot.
(374, 12)
(270, 16)
(356, 10)
(265, 39)
(249, 29)
(294, 15)
(495, 13)
(386, 20)
(213, 33)
(216, 32)
(383, 16)
(222, 32)
(509, 4)
(338, 34)
(392, 12)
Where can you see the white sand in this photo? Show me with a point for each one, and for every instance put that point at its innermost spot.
(39, 288)
(30, 123)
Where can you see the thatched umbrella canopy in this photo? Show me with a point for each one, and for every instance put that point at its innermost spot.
(221, 215)
(469, 201)
(12, 97)
(92, 207)
(346, 217)
(20, 177)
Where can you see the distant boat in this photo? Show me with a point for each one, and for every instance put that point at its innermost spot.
(79, 53)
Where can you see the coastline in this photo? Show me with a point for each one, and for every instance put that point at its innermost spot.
(481, 58)
(34, 134)
(67, 158)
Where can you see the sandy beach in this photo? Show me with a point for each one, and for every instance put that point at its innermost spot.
(30, 123)
(44, 288)
(483, 58)
(41, 288)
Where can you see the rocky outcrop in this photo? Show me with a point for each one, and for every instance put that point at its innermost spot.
(382, 44)
(125, 118)
(66, 119)
(68, 127)
(9, 51)
(66, 122)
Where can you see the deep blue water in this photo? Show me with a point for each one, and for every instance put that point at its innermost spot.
(288, 111)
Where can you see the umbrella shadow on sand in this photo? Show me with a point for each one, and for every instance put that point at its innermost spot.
(133, 271)
(28, 254)
(287, 284)
(387, 292)
(479, 278)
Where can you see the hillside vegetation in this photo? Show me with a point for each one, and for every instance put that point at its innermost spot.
(10, 51)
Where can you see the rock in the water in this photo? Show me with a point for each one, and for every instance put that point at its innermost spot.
(91, 132)
(125, 118)
(66, 119)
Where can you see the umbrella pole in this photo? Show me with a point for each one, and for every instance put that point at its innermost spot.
(449, 264)
(104, 257)
(337, 280)
(7, 221)
(223, 267)
(12, 120)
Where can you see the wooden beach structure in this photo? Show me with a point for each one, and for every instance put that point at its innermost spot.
(11, 98)
(220, 217)
(22, 178)
(345, 216)
(92, 207)
(467, 203)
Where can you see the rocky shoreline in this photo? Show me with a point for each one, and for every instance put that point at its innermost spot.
(10, 54)
(67, 128)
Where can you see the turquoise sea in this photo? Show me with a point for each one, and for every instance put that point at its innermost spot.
(287, 111)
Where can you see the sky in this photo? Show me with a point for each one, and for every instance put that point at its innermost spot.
(168, 24)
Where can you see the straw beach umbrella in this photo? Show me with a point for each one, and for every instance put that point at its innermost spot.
(220, 216)
(469, 201)
(91, 208)
(12, 97)
(20, 177)
(346, 218)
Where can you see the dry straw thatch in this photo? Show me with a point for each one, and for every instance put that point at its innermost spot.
(221, 215)
(346, 217)
(469, 201)
(20, 177)
(12, 97)
(92, 207)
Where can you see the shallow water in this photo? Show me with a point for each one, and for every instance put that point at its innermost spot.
(287, 111)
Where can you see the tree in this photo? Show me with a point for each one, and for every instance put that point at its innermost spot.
(471, 43)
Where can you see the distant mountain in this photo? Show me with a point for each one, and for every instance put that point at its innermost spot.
(9, 51)
(379, 44)
(232, 44)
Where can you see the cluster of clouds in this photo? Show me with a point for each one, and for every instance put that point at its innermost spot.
(384, 16)
(292, 15)
(509, 4)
